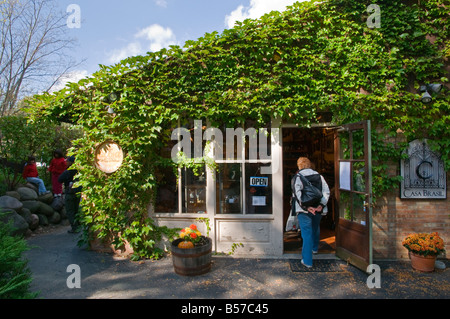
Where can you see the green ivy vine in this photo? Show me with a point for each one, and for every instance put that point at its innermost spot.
(317, 56)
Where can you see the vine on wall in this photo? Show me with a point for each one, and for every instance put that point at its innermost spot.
(314, 57)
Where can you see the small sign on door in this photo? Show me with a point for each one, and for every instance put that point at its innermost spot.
(259, 200)
(259, 181)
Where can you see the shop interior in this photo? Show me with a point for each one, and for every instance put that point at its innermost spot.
(318, 145)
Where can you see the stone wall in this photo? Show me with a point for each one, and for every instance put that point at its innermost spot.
(27, 211)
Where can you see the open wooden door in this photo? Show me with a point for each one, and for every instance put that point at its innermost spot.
(353, 190)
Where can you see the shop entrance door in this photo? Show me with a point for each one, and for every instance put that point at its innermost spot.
(318, 145)
(353, 175)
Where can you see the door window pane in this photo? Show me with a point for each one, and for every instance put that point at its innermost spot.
(358, 144)
(351, 207)
(344, 151)
(359, 213)
(345, 206)
(359, 177)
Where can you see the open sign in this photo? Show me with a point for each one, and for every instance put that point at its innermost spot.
(259, 181)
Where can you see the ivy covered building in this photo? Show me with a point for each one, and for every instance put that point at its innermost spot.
(339, 81)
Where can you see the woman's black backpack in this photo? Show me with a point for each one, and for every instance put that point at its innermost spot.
(311, 192)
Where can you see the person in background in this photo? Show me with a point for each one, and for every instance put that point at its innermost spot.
(31, 175)
(57, 167)
(72, 195)
(309, 217)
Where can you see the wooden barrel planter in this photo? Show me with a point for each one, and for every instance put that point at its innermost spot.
(192, 262)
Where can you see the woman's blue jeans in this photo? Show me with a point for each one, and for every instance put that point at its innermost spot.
(310, 230)
(39, 182)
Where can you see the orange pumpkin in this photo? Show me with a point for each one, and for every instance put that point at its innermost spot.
(185, 245)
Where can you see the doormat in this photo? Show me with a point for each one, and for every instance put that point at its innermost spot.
(319, 265)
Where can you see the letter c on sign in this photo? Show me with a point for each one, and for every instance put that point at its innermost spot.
(421, 169)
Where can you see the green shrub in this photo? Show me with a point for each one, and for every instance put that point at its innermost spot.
(15, 276)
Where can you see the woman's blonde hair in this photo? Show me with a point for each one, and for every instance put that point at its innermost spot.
(303, 163)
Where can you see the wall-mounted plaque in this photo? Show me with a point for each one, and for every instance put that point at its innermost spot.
(108, 157)
(422, 172)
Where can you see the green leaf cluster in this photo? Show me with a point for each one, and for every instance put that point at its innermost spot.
(314, 57)
(15, 276)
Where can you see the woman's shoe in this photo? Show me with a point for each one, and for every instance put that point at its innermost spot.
(305, 264)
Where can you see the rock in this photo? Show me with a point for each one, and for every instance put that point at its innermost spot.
(27, 193)
(26, 214)
(65, 222)
(18, 223)
(45, 209)
(46, 198)
(32, 205)
(8, 202)
(439, 265)
(57, 204)
(4, 214)
(63, 213)
(55, 218)
(33, 187)
(33, 224)
(43, 220)
(13, 194)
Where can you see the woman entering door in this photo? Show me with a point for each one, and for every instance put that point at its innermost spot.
(317, 144)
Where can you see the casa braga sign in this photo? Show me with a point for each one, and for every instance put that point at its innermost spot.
(423, 174)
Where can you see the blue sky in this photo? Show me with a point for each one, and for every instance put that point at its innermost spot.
(111, 30)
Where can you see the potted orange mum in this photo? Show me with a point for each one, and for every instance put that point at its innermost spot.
(423, 249)
(190, 236)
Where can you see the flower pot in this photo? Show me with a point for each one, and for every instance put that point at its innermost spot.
(194, 261)
(422, 263)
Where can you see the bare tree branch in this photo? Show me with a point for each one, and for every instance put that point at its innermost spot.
(34, 49)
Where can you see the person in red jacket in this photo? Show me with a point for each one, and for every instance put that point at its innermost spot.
(57, 167)
(31, 175)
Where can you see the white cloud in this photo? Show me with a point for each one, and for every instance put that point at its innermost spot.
(73, 76)
(256, 9)
(161, 3)
(152, 38)
(132, 49)
(158, 36)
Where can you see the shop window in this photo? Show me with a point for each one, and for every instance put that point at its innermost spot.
(244, 180)
(242, 189)
(185, 190)
(258, 188)
(193, 191)
(166, 200)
